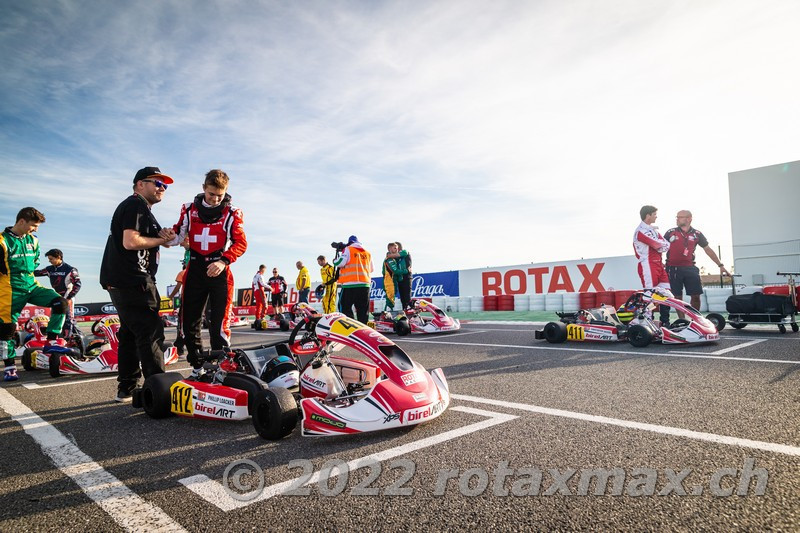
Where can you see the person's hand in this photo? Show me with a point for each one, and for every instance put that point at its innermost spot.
(724, 270)
(168, 235)
(215, 269)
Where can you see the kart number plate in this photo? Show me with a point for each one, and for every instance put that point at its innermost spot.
(181, 395)
(575, 332)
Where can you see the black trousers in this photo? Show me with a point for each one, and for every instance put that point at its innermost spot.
(404, 288)
(200, 290)
(358, 297)
(140, 335)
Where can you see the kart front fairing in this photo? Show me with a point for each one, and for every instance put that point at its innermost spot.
(405, 395)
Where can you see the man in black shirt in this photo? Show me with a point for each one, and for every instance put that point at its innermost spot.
(128, 271)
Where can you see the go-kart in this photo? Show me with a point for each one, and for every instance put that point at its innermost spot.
(282, 322)
(101, 358)
(423, 317)
(36, 341)
(236, 321)
(334, 394)
(604, 324)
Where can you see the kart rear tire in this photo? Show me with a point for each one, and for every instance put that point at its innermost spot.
(639, 336)
(27, 359)
(257, 325)
(738, 325)
(718, 320)
(248, 383)
(555, 332)
(402, 327)
(55, 365)
(274, 414)
(155, 394)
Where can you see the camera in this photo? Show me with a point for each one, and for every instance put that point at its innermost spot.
(338, 246)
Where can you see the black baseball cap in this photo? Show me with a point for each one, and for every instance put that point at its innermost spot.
(152, 172)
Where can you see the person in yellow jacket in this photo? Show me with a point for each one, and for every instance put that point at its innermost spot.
(355, 267)
(327, 272)
(303, 283)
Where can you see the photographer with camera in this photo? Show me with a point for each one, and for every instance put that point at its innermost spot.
(354, 264)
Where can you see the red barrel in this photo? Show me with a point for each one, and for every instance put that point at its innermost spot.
(505, 302)
(587, 300)
(621, 297)
(605, 298)
(490, 303)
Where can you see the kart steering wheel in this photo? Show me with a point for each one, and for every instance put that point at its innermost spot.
(307, 323)
(28, 325)
(96, 328)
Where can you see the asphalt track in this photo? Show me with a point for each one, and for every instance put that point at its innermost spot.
(74, 460)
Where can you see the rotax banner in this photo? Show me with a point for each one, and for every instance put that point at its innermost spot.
(589, 275)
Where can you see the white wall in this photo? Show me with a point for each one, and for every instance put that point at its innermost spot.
(765, 222)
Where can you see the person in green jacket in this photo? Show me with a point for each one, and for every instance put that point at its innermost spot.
(19, 257)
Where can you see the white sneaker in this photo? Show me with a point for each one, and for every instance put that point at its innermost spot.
(197, 373)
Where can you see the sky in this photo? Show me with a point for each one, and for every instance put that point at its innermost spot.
(477, 133)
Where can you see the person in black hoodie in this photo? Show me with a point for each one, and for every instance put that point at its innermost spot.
(216, 239)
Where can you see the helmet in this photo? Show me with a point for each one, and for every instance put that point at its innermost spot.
(281, 372)
(319, 291)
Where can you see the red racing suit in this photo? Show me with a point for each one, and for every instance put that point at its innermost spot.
(259, 295)
(215, 234)
(648, 245)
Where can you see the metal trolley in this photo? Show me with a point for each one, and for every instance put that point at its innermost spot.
(740, 320)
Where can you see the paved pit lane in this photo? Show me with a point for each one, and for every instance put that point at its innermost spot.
(537, 436)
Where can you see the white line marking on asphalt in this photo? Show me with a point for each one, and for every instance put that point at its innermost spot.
(450, 335)
(664, 430)
(127, 509)
(214, 493)
(78, 382)
(688, 355)
(729, 349)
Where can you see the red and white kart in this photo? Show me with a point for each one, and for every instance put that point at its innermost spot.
(424, 317)
(603, 323)
(36, 341)
(334, 395)
(100, 359)
(237, 321)
(282, 322)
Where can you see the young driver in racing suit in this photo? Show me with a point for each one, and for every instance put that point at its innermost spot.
(216, 239)
(648, 245)
(66, 281)
(19, 257)
(260, 289)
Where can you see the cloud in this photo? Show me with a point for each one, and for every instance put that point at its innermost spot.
(478, 133)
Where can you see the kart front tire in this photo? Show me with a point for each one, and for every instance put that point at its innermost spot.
(718, 320)
(555, 332)
(639, 336)
(248, 383)
(285, 325)
(274, 414)
(27, 359)
(156, 396)
(55, 364)
(402, 327)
